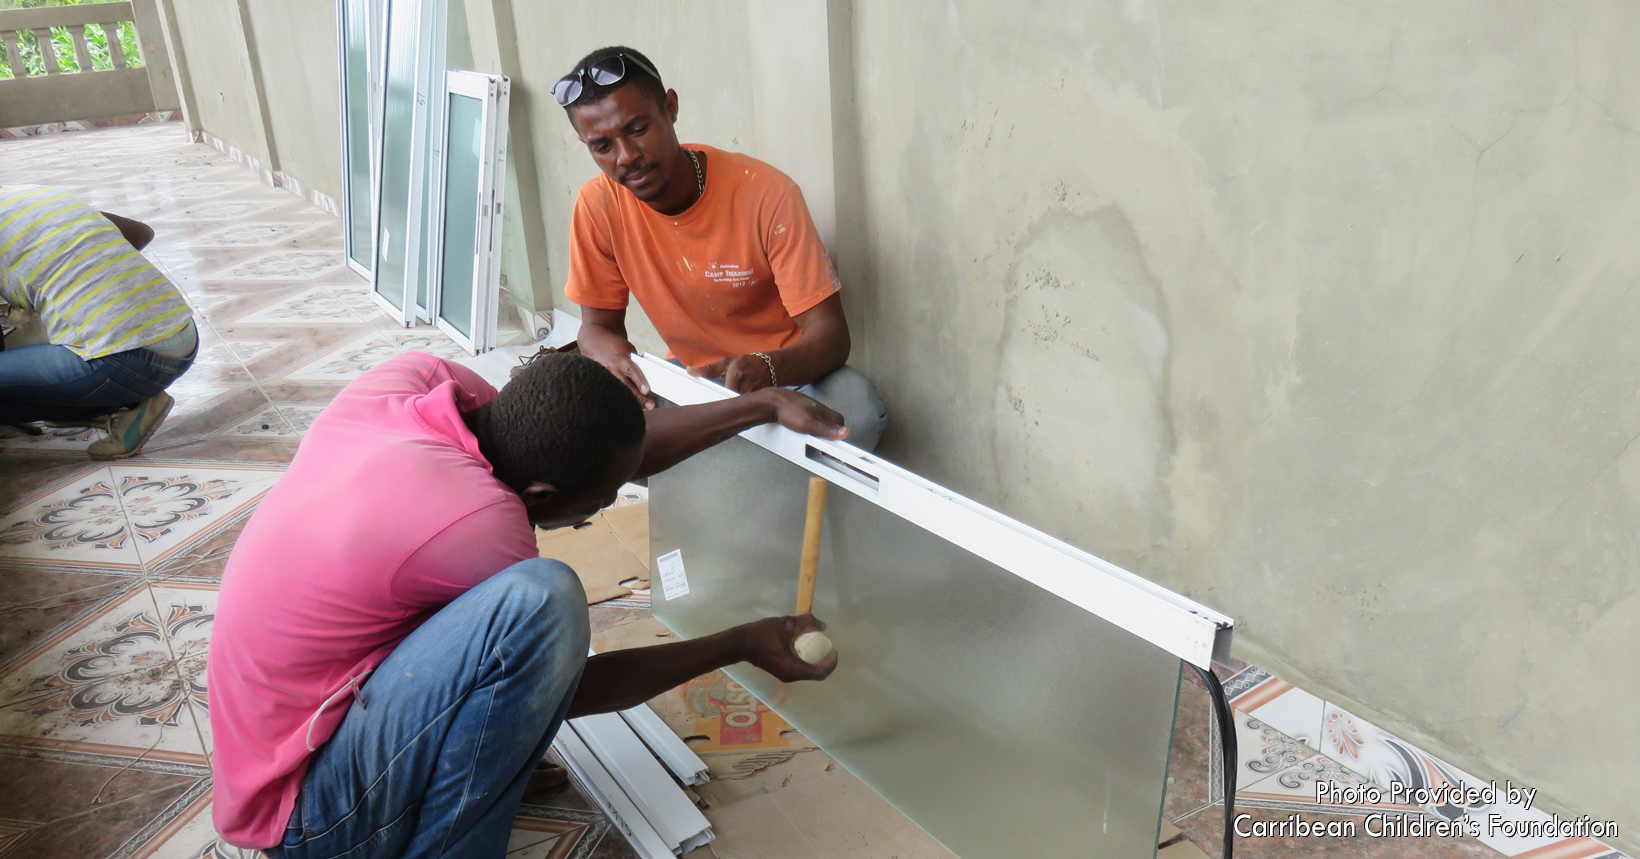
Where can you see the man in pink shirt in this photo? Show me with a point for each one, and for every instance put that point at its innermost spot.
(390, 658)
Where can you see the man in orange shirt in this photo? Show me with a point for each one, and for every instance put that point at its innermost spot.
(718, 248)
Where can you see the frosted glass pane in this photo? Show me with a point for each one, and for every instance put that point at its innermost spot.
(1002, 719)
(398, 114)
(461, 202)
(356, 77)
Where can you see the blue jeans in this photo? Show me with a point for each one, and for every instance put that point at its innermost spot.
(46, 382)
(433, 755)
(849, 393)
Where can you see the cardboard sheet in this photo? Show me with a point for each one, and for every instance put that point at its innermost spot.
(599, 555)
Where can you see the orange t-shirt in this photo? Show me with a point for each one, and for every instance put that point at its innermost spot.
(723, 278)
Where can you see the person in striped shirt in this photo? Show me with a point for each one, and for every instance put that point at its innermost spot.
(118, 332)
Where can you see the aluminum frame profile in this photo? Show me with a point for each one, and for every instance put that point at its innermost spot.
(597, 782)
(428, 61)
(663, 805)
(674, 752)
(624, 757)
(372, 129)
(1178, 625)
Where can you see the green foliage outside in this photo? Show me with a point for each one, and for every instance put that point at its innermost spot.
(96, 42)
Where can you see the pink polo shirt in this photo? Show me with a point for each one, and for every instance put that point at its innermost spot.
(387, 513)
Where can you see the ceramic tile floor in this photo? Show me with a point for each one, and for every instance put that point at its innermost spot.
(108, 573)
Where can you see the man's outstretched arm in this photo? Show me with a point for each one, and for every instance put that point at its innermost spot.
(627, 678)
(676, 434)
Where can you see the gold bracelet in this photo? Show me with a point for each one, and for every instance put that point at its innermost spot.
(773, 380)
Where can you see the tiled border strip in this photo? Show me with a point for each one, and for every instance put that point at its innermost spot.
(20, 131)
(276, 178)
(1384, 758)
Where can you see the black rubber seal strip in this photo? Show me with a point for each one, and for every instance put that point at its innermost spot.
(1227, 744)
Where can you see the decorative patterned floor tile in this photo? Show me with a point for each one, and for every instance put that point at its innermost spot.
(1279, 704)
(34, 602)
(316, 306)
(189, 835)
(281, 420)
(1295, 788)
(76, 523)
(206, 302)
(222, 210)
(316, 263)
(272, 266)
(357, 299)
(547, 838)
(188, 611)
(1263, 750)
(353, 358)
(170, 507)
(253, 235)
(118, 517)
(193, 264)
(107, 685)
(234, 352)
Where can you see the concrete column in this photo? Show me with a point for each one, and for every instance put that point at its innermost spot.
(151, 41)
(246, 39)
(166, 28)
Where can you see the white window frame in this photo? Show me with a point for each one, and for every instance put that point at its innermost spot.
(375, 11)
(493, 93)
(1181, 626)
(431, 22)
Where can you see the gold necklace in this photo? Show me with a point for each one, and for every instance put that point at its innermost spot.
(700, 175)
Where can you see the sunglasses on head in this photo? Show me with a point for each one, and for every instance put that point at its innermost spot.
(604, 72)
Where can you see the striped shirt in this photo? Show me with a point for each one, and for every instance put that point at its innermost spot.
(94, 292)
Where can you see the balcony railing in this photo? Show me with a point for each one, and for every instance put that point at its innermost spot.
(59, 72)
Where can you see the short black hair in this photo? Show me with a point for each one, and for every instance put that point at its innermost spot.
(560, 421)
(592, 93)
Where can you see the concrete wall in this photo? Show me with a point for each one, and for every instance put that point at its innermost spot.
(218, 72)
(296, 49)
(1316, 312)
(1319, 313)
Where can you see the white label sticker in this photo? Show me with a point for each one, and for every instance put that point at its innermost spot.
(674, 581)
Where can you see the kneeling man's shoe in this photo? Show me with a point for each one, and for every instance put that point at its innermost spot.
(130, 429)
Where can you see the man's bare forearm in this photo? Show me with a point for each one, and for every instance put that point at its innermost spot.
(627, 678)
(676, 434)
(601, 334)
(824, 346)
(811, 357)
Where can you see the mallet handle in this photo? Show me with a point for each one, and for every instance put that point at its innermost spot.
(811, 545)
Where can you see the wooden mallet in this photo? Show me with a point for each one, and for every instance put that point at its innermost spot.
(811, 647)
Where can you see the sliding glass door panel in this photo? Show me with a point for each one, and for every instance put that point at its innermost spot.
(469, 190)
(391, 281)
(1003, 719)
(414, 48)
(462, 200)
(358, 74)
